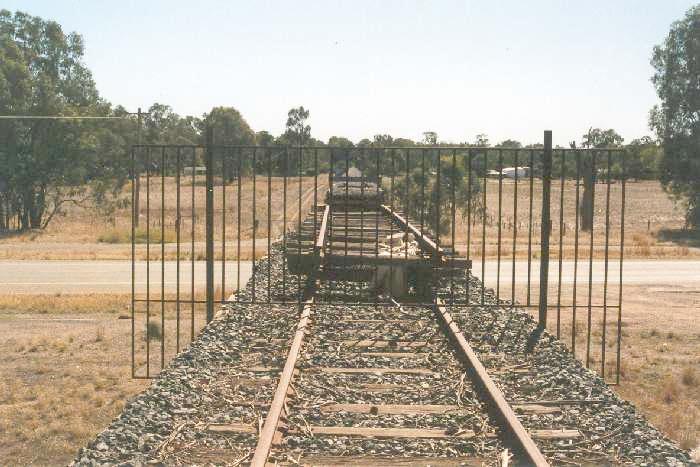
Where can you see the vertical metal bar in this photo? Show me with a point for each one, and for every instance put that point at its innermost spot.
(469, 221)
(405, 201)
(576, 239)
(362, 168)
(269, 225)
(590, 259)
(422, 193)
(284, 222)
(178, 224)
(148, 262)
(301, 163)
(438, 208)
(622, 255)
(347, 201)
(605, 276)
(192, 256)
(239, 181)
(137, 168)
(545, 228)
(376, 153)
(500, 221)
(561, 239)
(315, 192)
(162, 257)
(453, 227)
(254, 220)
(133, 261)
(224, 175)
(209, 162)
(331, 214)
(483, 230)
(529, 225)
(515, 228)
(391, 225)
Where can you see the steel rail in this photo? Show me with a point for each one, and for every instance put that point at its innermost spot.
(498, 401)
(267, 434)
(270, 426)
(504, 410)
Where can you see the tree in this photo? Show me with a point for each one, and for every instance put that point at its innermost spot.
(509, 143)
(339, 141)
(264, 138)
(677, 120)
(643, 157)
(430, 137)
(594, 138)
(46, 164)
(229, 127)
(429, 199)
(297, 129)
(482, 140)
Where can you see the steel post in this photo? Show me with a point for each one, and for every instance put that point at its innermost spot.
(209, 162)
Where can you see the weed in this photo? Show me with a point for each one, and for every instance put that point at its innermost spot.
(689, 377)
(153, 330)
(670, 391)
(100, 334)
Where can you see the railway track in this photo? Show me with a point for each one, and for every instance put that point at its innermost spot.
(394, 374)
(358, 369)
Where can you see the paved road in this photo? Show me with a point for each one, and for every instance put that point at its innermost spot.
(115, 276)
(634, 272)
(33, 277)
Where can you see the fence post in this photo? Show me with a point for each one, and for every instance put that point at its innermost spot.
(209, 163)
(546, 227)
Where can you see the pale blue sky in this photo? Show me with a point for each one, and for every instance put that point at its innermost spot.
(509, 69)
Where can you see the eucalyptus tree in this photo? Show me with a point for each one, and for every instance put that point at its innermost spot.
(48, 163)
(677, 119)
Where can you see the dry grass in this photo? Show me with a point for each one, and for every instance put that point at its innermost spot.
(57, 304)
(652, 223)
(64, 378)
(95, 236)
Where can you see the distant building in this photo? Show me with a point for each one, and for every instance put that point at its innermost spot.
(198, 170)
(511, 172)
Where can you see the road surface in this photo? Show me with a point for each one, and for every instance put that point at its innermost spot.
(73, 277)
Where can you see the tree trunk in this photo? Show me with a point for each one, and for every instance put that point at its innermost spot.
(586, 207)
(38, 208)
(137, 192)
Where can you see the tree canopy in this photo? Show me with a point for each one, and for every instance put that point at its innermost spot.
(677, 119)
(47, 163)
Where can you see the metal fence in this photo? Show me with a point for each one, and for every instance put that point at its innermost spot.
(540, 228)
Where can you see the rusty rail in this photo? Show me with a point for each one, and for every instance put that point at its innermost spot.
(267, 434)
(504, 410)
(269, 429)
(498, 401)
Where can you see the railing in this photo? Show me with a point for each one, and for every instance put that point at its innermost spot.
(548, 237)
